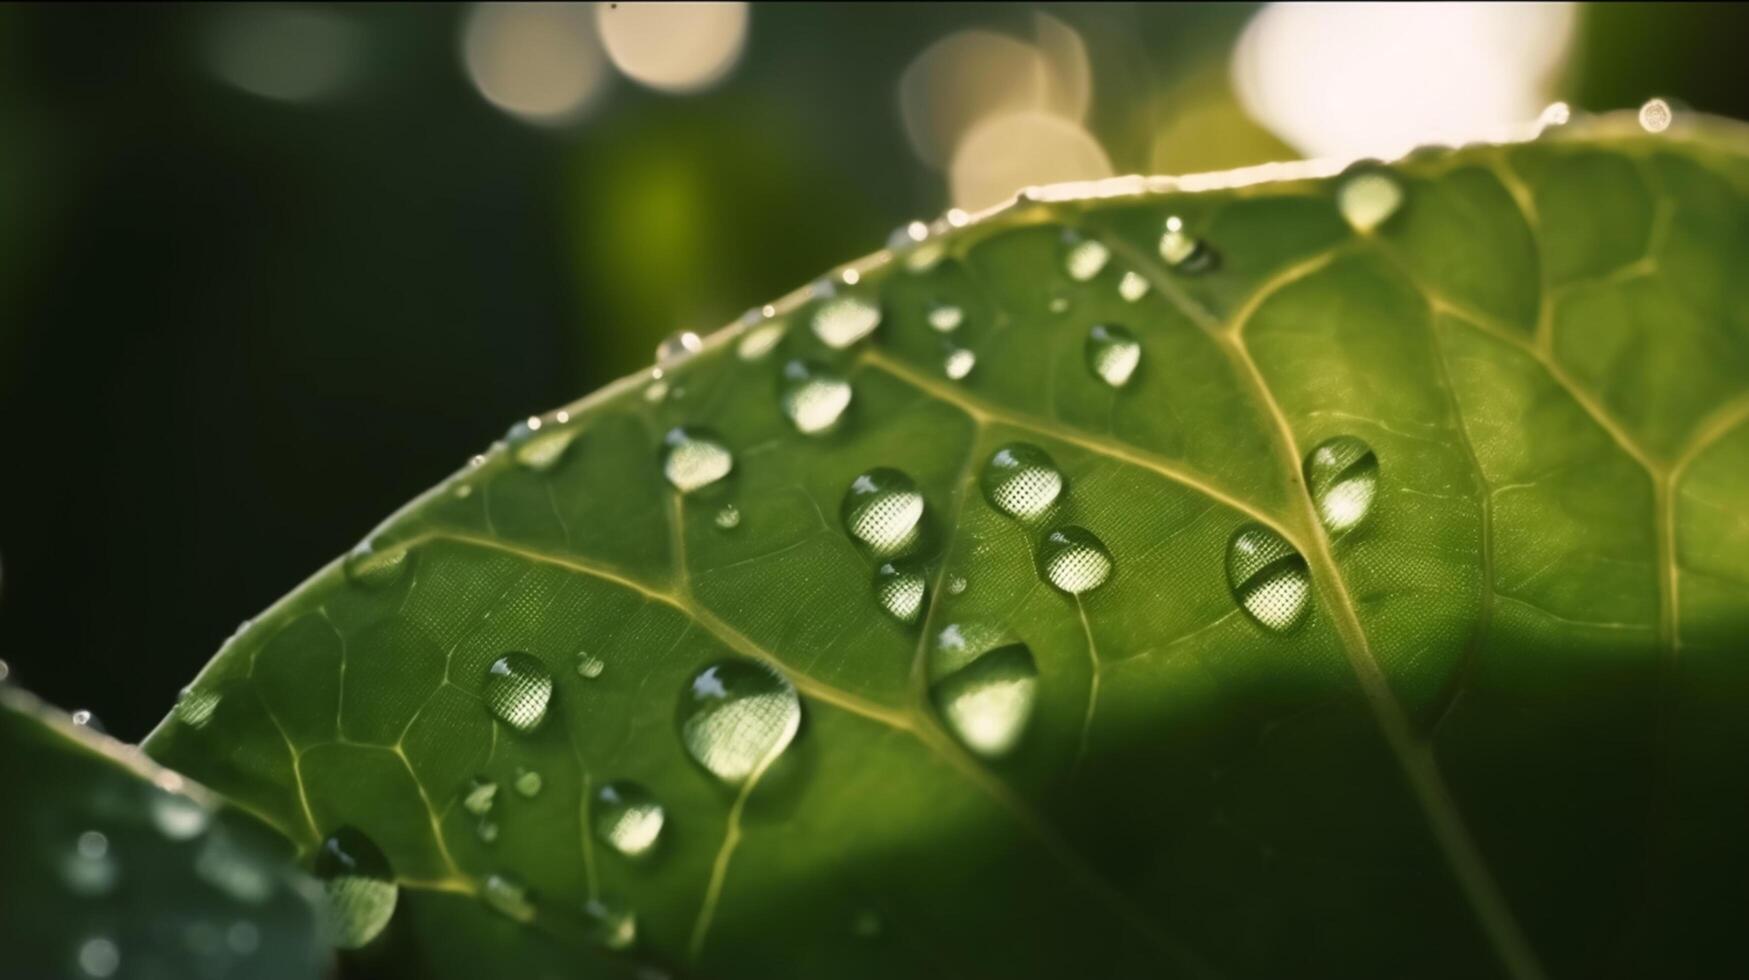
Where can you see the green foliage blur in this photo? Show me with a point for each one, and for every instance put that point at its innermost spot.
(235, 331)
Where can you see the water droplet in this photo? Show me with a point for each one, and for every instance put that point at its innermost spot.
(463, 491)
(528, 783)
(956, 585)
(536, 445)
(1555, 114)
(656, 391)
(479, 795)
(884, 511)
(1113, 353)
(984, 694)
(694, 457)
(1368, 199)
(736, 716)
(907, 235)
(517, 690)
(1059, 304)
(1085, 259)
(959, 363)
(1185, 252)
(729, 517)
(1268, 578)
(813, 397)
(1074, 560)
(508, 896)
(360, 889)
(178, 817)
(844, 320)
(487, 831)
(900, 588)
(1132, 287)
(374, 566)
(760, 340)
(1342, 475)
(945, 318)
(850, 277)
(627, 818)
(612, 926)
(82, 718)
(88, 868)
(590, 667)
(99, 957)
(195, 706)
(677, 347)
(1656, 116)
(1021, 480)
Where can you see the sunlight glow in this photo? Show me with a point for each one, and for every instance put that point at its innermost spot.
(539, 62)
(1007, 152)
(287, 54)
(673, 47)
(1355, 80)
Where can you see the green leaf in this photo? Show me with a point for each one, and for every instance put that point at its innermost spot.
(1366, 597)
(115, 867)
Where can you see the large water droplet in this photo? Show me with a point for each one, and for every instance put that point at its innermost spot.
(1021, 480)
(627, 818)
(518, 687)
(359, 887)
(612, 926)
(1268, 577)
(736, 716)
(375, 566)
(505, 894)
(959, 363)
(538, 445)
(945, 318)
(1342, 475)
(694, 457)
(1113, 353)
(813, 396)
(1656, 116)
(1368, 199)
(884, 511)
(900, 588)
(1074, 560)
(844, 320)
(1085, 259)
(985, 696)
(1185, 252)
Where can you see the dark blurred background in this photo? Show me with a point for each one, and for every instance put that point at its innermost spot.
(267, 272)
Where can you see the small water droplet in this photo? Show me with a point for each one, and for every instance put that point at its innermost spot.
(528, 782)
(1368, 199)
(375, 566)
(518, 687)
(656, 391)
(1183, 251)
(505, 894)
(1058, 304)
(179, 817)
(463, 491)
(677, 347)
(1113, 353)
(99, 957)
(694, 457)
(82, 718)
(728, 518)
(945, 318)
(1268, 577)
(883, 510)
(627, 818)
(358, 886)
(612, 925)
(956, 585)
(984, 692)
(957, 218)
(590, 667)
(1132, 287)
(844, 320)
(1555, 114)
(907, 235)
(959, 363)
(813, 397)
(1085, 259)
(1656, 116)
(538, 446)
(1074, 560)
(1342, 475)
(1021, 480)
(899, 589)
(736, 716)
(760, 340)
(195, 706)
(479, 795)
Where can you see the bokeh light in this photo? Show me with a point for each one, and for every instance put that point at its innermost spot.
(288, 54)
(674, 47)
(540, 62)
(1006, 152)
(1345, 80)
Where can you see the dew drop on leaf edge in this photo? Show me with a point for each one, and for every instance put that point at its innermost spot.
(1269, 578)
(517, 691)
(374, 567)
(358, 887)
(737, 716)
